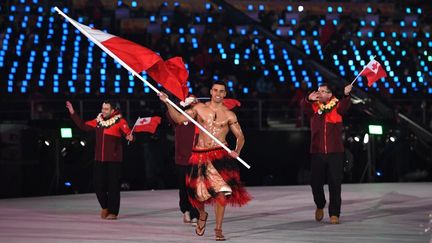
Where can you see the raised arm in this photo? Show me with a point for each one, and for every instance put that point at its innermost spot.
(345, 102)
(85, 126)
(235, 128)
(306, 102)
(176, 116)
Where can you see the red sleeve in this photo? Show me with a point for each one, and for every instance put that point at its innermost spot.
(85, 126)
(124, 127)
(306, 106)
(344, 105)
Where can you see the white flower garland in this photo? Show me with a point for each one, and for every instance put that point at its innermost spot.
(107, 123)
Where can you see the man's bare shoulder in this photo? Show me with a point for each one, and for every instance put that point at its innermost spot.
(198, 106)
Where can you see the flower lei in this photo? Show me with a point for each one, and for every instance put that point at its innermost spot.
(107, 123)
(322, 109)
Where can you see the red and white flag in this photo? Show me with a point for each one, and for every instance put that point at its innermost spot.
(231, 103)
(171, 74)
(147, 124)
(373, 71)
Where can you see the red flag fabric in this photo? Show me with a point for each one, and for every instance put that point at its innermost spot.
(172, 74)
(231, 103)
(374, 71)
(147, 124)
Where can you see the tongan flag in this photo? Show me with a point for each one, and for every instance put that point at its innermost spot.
(171, 74)
(231, 103)
(373, 71)
(147, 124)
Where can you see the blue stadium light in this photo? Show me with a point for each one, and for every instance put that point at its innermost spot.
(330, 9)
(192, 31)
(404, 90)
(176, 4)
(339, 9)
(250, 7)
(102, 89)
(55, 89)
(23, 90)
(245, 90)
(300, 62)
(266, 72)
(261, 7)
(281, 22)
(198, 19)
(41, 83)
(303, 33)
(182, 40)
(164, 18)
(293, 21)
(209, 19)
(281, 79)
(408, 10)
(232, 46)
(373, 23)
(215, 77)
(293, 42)
(134, 4)
(369, 34)
(335, 21)
(289, 8)
(314, 33)
(322, 22)
(152, 18)
(11, 18)
(208, 6)
(181, 30)
(290, 32)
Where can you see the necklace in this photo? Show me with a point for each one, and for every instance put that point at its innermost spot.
(322, 109)
(107, 123)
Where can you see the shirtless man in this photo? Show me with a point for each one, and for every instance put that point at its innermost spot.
(213, 174)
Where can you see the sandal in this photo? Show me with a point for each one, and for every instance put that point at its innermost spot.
(219, 235)
(199, 230)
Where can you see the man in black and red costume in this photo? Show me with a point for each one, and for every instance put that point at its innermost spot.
(109, 127)
(213, 174)
(327, 150)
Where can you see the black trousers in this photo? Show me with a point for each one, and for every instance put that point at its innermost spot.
(106, 181)
(184, 203)
(328, 166)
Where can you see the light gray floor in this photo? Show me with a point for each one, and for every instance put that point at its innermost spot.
(370, 213)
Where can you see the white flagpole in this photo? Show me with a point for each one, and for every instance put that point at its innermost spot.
(362, 70)
(76, 25)
(133, 128)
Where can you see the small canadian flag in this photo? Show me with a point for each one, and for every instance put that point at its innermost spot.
(147, 124)
(373, 71)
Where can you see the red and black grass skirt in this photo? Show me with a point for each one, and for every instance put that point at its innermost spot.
(213, 172)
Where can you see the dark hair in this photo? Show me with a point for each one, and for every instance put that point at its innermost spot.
(327, 86)
(220, 83)
(111, 103)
